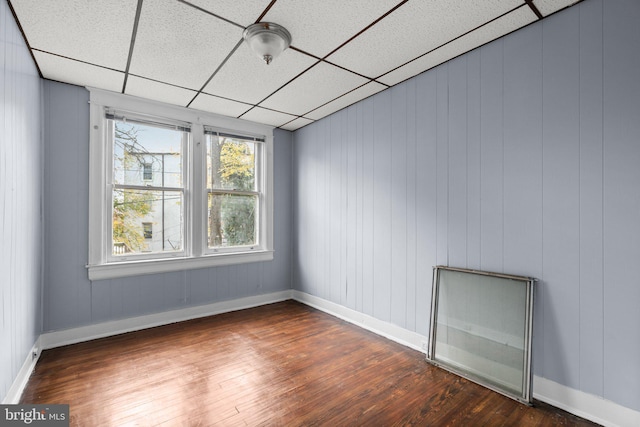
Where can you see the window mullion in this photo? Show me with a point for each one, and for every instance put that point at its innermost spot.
(197, 193)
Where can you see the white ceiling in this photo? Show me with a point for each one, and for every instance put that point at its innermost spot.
(190, 52)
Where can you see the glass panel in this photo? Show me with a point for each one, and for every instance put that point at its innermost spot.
(232, 220)
(147, 155)
(230, 164)
(481, 327)
(147, 221)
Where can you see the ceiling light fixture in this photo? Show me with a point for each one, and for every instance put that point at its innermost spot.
(267, 39)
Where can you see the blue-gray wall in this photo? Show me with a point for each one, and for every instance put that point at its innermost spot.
(20, 201)
(70, 299)
(522, 157)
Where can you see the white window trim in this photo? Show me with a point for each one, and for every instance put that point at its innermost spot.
(196, 254)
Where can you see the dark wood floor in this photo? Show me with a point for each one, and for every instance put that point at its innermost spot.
(282, 364)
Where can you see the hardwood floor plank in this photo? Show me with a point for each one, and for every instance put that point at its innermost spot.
(281, 364)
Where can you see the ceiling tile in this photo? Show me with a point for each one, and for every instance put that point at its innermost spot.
(346, 100)
(78, 73)
(268, 117)
(547, 7)
(180, 45)
(414, 29)
(318, 27)
(489, 32)
(242, 13)
(98, 32)
(245, 77)
(319, 85)
(214, 104)
(296, 124)
(150, 89)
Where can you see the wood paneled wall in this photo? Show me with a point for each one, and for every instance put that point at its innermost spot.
(521, 157)
(20, 200)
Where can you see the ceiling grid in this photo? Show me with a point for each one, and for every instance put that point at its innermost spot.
(190, 52)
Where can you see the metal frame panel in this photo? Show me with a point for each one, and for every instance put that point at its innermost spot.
(525, 396)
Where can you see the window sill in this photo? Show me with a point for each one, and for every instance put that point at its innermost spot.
(115, 270)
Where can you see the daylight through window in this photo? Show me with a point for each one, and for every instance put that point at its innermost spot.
(147, 187)
(232, 190)
(174, 189)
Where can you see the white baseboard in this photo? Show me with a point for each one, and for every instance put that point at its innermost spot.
(15, 392)
(585, 405)
(388, 330)
(115, 327)
(594, 408)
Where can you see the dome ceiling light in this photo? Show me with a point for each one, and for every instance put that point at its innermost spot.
(267, 40)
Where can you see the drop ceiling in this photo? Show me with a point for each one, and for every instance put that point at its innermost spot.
(190, 52)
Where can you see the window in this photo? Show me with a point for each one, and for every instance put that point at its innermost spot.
(232, 190)
(147, 172)
(140, 145)
(147, 230)
(174, 189)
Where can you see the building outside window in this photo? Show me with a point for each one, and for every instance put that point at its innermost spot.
(147, 230)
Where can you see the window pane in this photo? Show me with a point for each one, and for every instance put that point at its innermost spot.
(482, 327)
(147, 155)
(232, 220)
(230, 164)
(147, 221)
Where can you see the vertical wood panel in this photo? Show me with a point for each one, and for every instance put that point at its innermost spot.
(382, 206)
(412, 303)
(457, 163)
(426, 194)
(621, 202)
(368, 206)
(442, 164)
(359, 205)
(344, 206)
(561, 198)
(591, 207)
(324, 250)
(276, 275)
(523, 167)
(351, 202)
(473, 160)
(492, 158)
(65, 198)
(398, 169)
(200, 287)
(333, 208)
(310, 223)
(21, 189)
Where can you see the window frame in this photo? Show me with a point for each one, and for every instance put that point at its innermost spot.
(196, 252)
(109, 172)
(259, 149)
